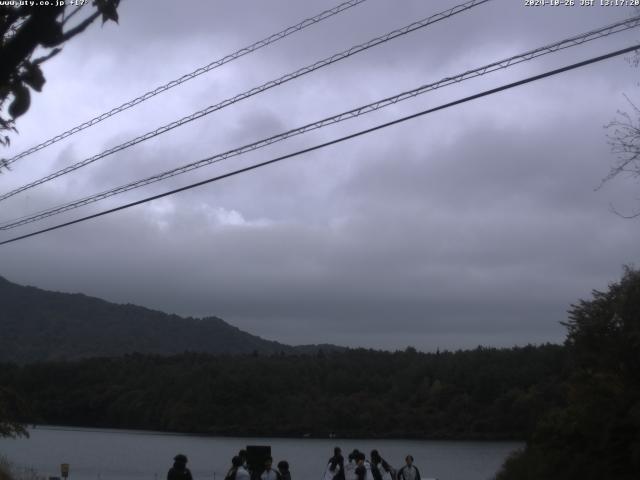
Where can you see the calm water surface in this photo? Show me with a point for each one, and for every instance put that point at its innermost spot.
(132, 455)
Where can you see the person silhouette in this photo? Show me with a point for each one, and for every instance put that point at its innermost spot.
(179, 471)
(409, 471)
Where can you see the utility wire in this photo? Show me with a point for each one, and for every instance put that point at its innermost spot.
(333, 142)
(254, 91)
(362, 110)
(189, 76)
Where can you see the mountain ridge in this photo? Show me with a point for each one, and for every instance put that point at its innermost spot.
(40, 325)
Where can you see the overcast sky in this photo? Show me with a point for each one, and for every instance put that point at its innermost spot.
(475, 225)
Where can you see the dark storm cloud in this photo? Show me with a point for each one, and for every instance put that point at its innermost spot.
(475, 225)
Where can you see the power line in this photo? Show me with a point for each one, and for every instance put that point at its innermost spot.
(333, 142)
(356, 112)
(189, 76)
(254, 91)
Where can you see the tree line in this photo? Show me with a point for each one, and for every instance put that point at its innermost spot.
(485, 393)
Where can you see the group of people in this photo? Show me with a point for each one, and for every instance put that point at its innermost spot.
(357, 467)
(376, 468)
(239, 469)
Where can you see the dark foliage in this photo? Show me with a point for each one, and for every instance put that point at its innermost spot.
(483, 393)
(597, 434)
(11, 408)
(25, 28)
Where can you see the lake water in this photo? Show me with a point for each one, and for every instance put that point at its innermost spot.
(133, 455)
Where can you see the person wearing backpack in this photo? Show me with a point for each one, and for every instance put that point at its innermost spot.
(269, 473)
(409, 471)
(179, 471)
(237, 470)
(350, 466)
(283, 469)
(380, 468)
(335, 467)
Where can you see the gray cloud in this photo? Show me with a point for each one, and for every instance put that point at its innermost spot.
(475, 225)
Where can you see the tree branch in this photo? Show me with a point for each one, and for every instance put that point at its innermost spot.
(81, 27)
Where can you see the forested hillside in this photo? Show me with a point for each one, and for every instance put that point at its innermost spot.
(483, 393)
(39, 325)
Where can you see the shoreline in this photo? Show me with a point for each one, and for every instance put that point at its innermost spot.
(311, 436)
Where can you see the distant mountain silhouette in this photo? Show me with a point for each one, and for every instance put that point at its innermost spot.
(40, 325)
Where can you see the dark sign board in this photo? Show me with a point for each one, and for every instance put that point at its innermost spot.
(256, 456)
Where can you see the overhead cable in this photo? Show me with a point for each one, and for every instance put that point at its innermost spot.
(254, 91)
(189, 76)
(356, 112)
(332, 142)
